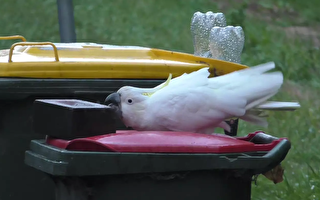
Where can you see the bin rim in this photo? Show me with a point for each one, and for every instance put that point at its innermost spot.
(61, 162)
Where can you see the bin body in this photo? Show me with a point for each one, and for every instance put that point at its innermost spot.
(17, 96)
(212, 184)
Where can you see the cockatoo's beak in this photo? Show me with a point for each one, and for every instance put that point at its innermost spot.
(114, 101)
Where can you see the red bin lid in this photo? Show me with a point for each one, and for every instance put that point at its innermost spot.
(162, 142)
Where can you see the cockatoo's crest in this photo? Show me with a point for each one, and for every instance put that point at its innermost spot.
(159, 87)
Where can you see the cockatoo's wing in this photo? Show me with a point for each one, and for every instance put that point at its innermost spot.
(195, 101)
(253, 83)
(191, 104)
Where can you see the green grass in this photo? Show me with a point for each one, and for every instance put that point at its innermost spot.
(165, 24)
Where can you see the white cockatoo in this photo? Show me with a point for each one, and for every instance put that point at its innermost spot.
(196, 103)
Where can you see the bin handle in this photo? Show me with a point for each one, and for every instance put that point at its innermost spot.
(13, 37)
(33, 44)
(278, 152)
(274, 157)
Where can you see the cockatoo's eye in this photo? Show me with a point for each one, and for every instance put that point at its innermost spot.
(129, 101)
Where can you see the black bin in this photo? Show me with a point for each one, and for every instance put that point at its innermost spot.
(17, 96)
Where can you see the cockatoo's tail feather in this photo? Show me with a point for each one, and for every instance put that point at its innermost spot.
(277, 105)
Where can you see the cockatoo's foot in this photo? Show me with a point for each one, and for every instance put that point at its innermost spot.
(225, 126)
(233, 127)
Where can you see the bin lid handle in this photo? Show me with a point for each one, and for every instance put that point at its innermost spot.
(13, 37)
(33, 44)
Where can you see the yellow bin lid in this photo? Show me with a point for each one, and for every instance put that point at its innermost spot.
(91, 60)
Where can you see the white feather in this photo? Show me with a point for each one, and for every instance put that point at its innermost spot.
(277, 105)
(195, 103)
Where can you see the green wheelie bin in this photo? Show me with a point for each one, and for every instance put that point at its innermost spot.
(155, 165)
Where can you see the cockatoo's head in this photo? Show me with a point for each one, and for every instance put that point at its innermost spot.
(130, 103)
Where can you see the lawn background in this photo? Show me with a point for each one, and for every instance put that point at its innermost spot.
(286, 32)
